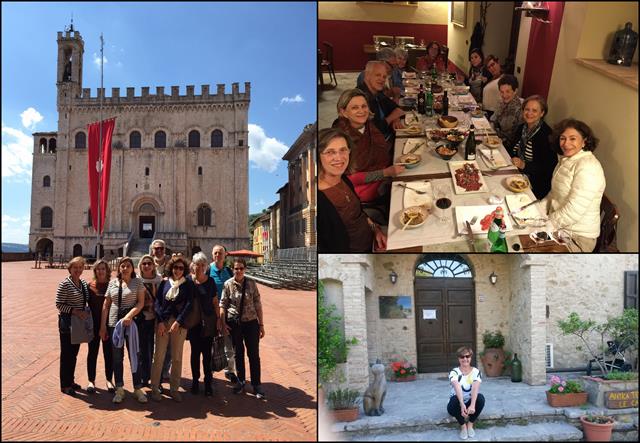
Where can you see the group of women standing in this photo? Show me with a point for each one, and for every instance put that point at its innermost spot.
(146, 312)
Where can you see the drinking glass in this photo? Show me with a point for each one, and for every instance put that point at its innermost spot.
(442, 200)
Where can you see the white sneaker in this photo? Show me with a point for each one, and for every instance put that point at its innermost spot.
(471, 432)
(463, 433)
(119, 395)
(140, 395)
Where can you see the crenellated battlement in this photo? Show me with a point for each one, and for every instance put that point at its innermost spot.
(160, 97)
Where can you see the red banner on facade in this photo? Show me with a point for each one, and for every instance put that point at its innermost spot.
(99, 168)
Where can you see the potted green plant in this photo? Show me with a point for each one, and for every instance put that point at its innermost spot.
(344, 404)
(493, 356)
(564, 393)
(597, 427)
(403, 370)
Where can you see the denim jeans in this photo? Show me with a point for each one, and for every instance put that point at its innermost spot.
(118, 363)
(146, 333)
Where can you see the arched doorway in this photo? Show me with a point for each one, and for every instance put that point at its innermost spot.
(146, 220)
(77, 250)
(445, 310)
(44, 247)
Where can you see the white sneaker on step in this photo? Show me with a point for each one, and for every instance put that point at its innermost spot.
(471, 432)
(463, 433)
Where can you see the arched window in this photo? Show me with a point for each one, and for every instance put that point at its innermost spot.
(46, 181)
(146, 172)
(204, 215)
(135, 139)
(77, 250)
(216, 139)
(194, 139)
(443, 265)
(199, 170)
(46, 217)
(81, 140)
(43, 145)
(52, 145)
(160, 139)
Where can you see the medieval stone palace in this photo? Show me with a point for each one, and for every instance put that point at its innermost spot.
(179, 168)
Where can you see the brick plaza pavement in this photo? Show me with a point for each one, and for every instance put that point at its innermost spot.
(34, 409)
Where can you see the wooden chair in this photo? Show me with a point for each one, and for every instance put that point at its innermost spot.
(327, 63)
(608, 224)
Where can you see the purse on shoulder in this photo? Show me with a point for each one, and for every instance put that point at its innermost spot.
(82, 330)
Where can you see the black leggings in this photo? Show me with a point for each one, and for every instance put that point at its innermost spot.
(201, 346)
(454, 408)
(92, 359)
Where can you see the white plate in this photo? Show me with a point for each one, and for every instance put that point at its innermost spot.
(412, 198)
(466, 213)
(459, 190)
(498, 159)
(516, 201)
(406, 132)
(424, 212)
(412, 143)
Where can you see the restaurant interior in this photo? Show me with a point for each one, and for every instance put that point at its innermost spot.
(573, 54)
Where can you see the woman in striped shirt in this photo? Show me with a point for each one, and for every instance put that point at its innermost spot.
(532, 152)
(70, 300)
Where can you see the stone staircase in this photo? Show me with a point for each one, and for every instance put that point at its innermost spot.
(285, 274)
(416, 411)
(138, 247)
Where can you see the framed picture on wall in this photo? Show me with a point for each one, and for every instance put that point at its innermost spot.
(459, 13)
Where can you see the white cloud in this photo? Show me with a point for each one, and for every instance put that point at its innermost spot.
(265, 152)
(297, 99)
(30, 118)
(96, 60)
(15, 229)
(17, 149)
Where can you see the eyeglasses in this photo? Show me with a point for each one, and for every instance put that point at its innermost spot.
(464, 356)
(159, 248)
(180, 268)
(332, 153)
(146, 263)
(238, 269)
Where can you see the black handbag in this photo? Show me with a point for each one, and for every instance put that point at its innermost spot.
(235, 320)
(218, 357)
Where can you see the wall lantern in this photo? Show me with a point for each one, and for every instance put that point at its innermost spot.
(393, 277)
(493, 278)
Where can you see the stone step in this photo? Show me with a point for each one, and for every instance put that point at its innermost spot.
(547, 431)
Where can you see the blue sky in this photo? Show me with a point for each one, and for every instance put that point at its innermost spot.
(271, 45)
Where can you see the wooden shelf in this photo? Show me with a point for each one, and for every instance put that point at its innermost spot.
(627, 75)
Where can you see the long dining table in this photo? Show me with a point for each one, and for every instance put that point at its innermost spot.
(416, 186)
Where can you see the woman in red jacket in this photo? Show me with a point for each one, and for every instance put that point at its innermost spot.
(372, 157)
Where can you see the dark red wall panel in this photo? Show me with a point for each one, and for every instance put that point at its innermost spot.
(348, 38)
(543, 42)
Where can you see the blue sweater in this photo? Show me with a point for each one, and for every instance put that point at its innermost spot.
(179, 307)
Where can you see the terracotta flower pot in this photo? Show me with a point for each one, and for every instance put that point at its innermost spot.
(596, 431)
(493, 362)
(564, 400)
(408, 378)
(345, 414)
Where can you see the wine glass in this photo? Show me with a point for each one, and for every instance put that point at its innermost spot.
(442, 200)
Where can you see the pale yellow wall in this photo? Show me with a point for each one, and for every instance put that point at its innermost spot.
(496, 37)
(434, 13)
(607, 106)
(603, 19)
(459, 38)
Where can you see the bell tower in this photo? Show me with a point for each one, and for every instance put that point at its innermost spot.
(69, 76)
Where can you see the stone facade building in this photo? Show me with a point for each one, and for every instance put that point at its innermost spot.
(179, 168)
(531, 293)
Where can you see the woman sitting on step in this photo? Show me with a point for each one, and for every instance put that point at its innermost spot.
(465, 401)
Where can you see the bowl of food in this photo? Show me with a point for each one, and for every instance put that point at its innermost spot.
(492, 142)
(413, 130)
(437, 134)
(436, 88)
(460, 90)
(447, 121)
(477, 113)
(409, 160)
(517, 183)
(454, 138)
(445, 150)
(413, 216)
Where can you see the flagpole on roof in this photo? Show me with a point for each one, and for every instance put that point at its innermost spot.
(99, 165)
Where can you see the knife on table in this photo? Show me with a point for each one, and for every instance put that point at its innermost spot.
(415, 148)
(524, 207)
(470, 236)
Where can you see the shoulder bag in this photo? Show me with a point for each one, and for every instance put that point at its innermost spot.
(123, 311)
(82, 330)
(194, 317)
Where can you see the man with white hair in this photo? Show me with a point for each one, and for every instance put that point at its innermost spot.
(387, 114)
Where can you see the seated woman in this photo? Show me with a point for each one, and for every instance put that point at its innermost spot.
(371, 158)
(479, 76)
(465, 401)
(509, 114)
(577, 185)
(342, 224)
(433, 56)
(401, 59)
(532, 152)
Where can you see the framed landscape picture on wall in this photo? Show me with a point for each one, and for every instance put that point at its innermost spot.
(459, 13)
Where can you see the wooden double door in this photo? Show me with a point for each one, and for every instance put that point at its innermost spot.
(445, 320)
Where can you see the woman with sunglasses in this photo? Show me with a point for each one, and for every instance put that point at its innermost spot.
(146, 328)
(465, 401)
(241, 314)
(172, 305)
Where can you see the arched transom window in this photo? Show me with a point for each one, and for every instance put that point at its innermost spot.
(216, 139)
(204, 215)
(194, 139)
(135, 139)
(443, 265)
(81, 140)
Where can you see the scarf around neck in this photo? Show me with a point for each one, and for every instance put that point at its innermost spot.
(172, 293)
